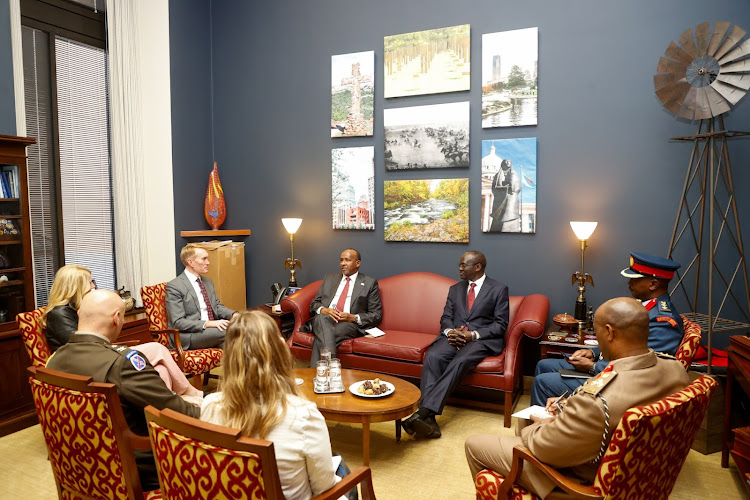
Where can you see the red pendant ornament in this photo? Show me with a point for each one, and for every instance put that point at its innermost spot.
(214, 208)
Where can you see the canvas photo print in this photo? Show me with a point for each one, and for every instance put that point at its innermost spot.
(353, 188)
(509, 186)
(352, 94)
(427, 62)
(509, 78)
(431, 210)
(434, 136)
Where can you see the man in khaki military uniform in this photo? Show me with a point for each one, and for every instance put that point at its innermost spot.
(90, 353)
(577, 435)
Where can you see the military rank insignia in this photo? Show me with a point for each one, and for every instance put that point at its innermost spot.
(663, 306)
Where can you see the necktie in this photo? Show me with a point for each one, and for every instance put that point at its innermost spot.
(205, 299)
(342, 299)
(471, 297)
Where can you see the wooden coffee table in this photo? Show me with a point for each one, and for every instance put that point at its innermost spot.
(346, 407)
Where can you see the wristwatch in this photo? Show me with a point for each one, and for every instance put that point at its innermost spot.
(592, 370)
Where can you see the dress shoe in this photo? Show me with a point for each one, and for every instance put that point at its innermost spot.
(427, 428)
(408, 424)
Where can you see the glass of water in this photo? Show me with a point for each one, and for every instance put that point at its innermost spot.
(334, 375)
(325, 355)
(321, 376)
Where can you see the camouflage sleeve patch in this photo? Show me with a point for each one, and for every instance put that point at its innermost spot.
(667, 319)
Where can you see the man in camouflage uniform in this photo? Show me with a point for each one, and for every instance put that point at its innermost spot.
(576, 436)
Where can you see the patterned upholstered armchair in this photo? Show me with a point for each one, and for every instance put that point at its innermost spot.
(188, 452)
(90, 445)
(690, 342)
(642, 461)
(192, 363)
(32, 333)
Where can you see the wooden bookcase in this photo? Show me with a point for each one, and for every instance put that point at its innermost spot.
(17, 288)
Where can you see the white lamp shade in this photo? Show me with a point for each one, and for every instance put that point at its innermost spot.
(583, 230)
(292, 225)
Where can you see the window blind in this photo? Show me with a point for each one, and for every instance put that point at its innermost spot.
(85, 181)
(41, 170)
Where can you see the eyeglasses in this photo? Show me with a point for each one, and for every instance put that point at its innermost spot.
(461, 265)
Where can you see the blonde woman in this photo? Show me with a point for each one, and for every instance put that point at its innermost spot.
(60, 321)
(259, 396)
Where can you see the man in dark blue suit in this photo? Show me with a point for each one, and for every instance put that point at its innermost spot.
(472, 327)
(648, 281)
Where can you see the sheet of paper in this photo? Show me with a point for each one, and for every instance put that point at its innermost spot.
(535, 410)
(375, 332)
(336, 462)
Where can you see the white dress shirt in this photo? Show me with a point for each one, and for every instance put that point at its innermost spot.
(478, 286)
(339, 290)
(202, 303)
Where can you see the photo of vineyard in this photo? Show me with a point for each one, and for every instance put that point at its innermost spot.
(428, 210)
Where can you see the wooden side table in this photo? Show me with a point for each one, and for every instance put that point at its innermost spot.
(567, 343)
(284, 320)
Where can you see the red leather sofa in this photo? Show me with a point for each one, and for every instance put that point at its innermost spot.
(412, 306)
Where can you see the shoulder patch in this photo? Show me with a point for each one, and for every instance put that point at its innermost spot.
(667, 319)
(136, 360)
(595, 385)
(663, 306)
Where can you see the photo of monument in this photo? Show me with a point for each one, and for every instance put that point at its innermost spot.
(509, 78)
(509, 186)
(353, 188)
(427, 210)
(427, 62)
(434, 136)
(352, 94)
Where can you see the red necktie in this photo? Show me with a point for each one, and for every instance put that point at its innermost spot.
(342, 300)
(470, 298)
(205, 299)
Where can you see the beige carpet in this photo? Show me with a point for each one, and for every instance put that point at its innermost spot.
(431, 470)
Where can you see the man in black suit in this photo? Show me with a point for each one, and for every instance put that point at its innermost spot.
(192, 304)
(472, 327)
(346, 304)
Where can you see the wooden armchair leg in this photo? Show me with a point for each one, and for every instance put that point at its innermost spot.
(206, 378)
(195, 381)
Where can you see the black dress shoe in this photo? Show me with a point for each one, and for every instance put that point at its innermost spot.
(427, 428)
(408, 424)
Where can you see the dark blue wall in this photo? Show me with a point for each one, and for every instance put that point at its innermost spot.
(7, 99)
(603, 148)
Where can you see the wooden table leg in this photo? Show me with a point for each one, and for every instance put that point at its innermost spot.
(398, 430)
(727, 418)
(366, 442)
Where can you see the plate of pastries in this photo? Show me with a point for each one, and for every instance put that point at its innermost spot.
(374, 388)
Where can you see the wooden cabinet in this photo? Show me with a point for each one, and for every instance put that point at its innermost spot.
(16, 284)
(16, 272)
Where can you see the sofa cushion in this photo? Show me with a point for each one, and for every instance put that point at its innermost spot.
(414, 302)
(395, 344)
(492, 364)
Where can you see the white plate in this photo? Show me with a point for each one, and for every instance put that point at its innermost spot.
(390, 390)
(591, 342)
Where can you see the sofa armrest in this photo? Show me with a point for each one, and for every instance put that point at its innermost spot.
(530, 320)
(299, 303)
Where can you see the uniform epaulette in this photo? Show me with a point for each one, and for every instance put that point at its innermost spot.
(120, 349)
(664, 355)
(595, 385)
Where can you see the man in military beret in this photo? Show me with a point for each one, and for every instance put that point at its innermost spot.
(648, 282)
(576, 436)
(90, 353)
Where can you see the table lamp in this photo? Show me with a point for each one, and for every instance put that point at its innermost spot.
(291, 226)
(583, 232)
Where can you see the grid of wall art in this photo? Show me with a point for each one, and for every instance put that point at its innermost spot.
(435, 137)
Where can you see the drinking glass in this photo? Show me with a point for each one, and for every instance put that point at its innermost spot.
(334, 375)
(321, 376)
(325, 355)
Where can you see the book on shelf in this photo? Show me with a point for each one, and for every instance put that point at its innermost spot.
(10, 174)
(5, 185)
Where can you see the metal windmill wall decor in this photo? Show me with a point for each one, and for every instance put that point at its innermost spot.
(701, 78)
